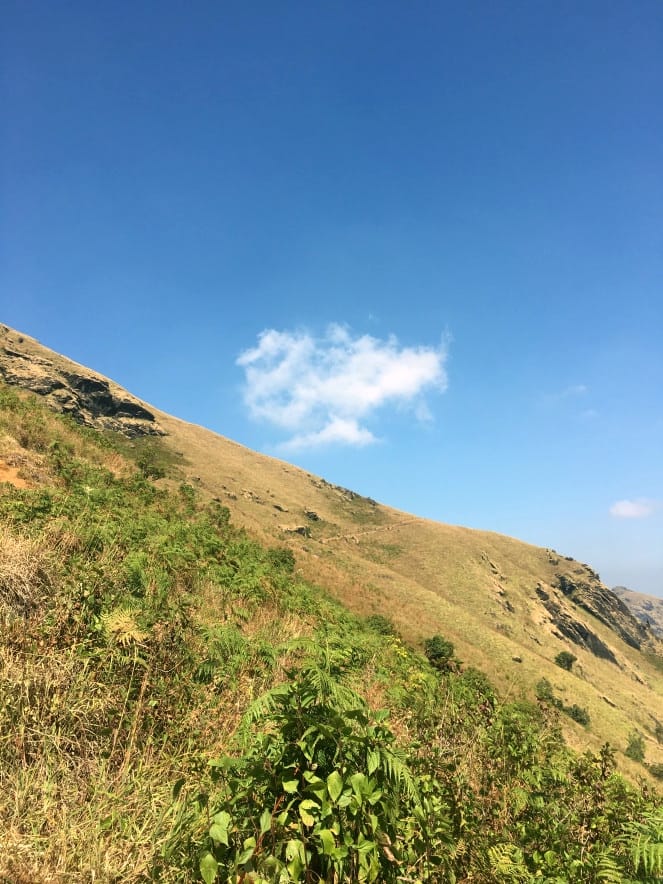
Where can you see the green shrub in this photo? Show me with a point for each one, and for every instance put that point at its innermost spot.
(635, 749)
(565, 660)
(440, 653)
(380, 623)
(281, 559)
(149, 467)
(577, 713)
(544, 691)
(322, 793)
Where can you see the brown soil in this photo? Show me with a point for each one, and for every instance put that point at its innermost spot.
(10, 474)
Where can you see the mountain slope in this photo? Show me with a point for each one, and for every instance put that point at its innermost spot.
(508, 607)
(647, 608)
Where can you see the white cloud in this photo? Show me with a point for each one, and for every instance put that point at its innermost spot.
(322, 389)
(639, 508)
(347, 432)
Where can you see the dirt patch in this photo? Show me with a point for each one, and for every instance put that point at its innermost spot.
(10, 474)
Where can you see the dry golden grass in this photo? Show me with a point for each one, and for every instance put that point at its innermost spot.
(24, 576)
(475, 587)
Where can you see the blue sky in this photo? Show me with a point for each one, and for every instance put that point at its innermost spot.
(415, 248)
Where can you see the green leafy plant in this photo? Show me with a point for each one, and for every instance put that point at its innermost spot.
(282, 559)
(321, 793)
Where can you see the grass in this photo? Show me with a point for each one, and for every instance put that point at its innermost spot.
(427, 576)
(24, 576)
(138, 624)
(137, 627)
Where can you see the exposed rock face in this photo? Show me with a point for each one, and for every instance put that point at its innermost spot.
(574, 630)
(580, 589)
(71, 389)
(590, 594)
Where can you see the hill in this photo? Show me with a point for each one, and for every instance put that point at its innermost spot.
(509, 608)
(141, 621)
(647, 608)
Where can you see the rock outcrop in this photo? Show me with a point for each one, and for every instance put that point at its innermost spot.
(567, 626)
(588, 592)
(70, 389)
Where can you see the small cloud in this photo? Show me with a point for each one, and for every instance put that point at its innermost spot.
(347, 432)
(639, 508)
(589, 414)
(322, 389)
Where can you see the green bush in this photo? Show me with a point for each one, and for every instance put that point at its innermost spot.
(440, 653)
(544, 691)
(380, 623)
(321, 794)
(635, 749)
(577, 713)
(565, 660)
(656, 770)
(282, 559)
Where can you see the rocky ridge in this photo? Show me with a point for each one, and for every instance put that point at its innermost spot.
(71, 389)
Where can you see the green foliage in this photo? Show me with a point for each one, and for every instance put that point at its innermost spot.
(321, 793)
(565, 660)
(642, 840)
(544, 693)
(158, 622)
(282, 559)
(149, 467)
(440, 653)
(577, 713)
(381, 624)
(635, 748)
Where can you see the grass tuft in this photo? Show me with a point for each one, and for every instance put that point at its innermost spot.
(24, 574)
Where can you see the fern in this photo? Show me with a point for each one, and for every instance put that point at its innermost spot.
(395, 766)
(644, 841)
(608, 869)
(507, 863)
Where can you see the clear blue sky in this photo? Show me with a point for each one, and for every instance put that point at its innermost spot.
(444, 219)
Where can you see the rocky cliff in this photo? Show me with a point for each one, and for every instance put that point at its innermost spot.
(72, 389)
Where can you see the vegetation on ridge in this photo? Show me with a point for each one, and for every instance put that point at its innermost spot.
(176, 703)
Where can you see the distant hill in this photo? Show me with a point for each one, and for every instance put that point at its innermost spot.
(647, 608)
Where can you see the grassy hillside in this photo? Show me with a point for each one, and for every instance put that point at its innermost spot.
(510, 608)
(192, 689)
